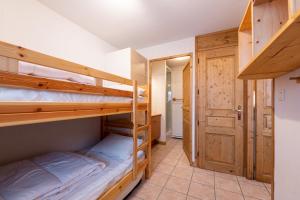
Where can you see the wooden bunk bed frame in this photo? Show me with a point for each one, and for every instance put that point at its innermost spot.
(20, 113)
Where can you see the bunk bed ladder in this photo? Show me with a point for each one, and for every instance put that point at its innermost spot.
(137, 130)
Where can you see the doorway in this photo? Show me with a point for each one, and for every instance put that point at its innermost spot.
(171, 89)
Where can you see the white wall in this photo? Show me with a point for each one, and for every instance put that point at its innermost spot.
(170, 49)
(287, 138)
(30, 24)
(159, 94)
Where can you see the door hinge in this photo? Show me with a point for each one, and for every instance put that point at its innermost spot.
(198, 61)
(198, 92)
(198, 123)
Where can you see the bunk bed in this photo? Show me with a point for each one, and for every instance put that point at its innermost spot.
(27, 97)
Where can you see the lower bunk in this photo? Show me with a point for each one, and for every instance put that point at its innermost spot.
(104, 171)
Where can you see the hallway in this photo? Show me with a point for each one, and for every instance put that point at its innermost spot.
(173, 178)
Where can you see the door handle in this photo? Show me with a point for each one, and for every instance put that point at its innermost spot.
(238, 111)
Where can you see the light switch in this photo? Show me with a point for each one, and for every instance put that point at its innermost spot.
(281, 95)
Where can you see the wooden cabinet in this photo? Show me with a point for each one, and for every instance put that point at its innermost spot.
(155, 122)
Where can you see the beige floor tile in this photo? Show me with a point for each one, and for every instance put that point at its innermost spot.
(164, 168)
(226, 195)
(147, 191)
(158, 178)
(171, 195)
(244, 180)
(178, 184)
(255, 191)
(192, 198)
(204, 171)
(227, 184)
(226, 176)
(169, 161)
(250, 198)
(183, 172)
(203, 192)
(203, 178)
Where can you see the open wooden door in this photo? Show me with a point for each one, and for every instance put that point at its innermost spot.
(187, 133)
(220, 105)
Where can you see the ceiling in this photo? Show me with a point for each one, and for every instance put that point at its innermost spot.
(143, 23)
(178, 62)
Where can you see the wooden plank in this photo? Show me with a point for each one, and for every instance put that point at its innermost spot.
(217, 40)
(143, 146)
(134, 129)
(9, 64)
(18, 113)
(26, 81)
(259, 2)
(148, 121)
(279, 56)
(246, 23)
(23, 54)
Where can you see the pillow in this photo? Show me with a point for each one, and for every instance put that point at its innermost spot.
(116, 146)
(24, 180)
(68, 167)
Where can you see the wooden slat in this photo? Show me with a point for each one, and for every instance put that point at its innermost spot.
(142, 128)
(279, 56)
(18, 113)
(143, 146)
(23, 54)
(26, 81)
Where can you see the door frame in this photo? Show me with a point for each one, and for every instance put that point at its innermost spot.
(192, 91)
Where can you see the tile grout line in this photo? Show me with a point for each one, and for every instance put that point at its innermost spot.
(240, 188)
(215, 185)
(169, 175)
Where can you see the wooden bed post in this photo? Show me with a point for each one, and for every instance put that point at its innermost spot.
(134, 130)
(148, 120)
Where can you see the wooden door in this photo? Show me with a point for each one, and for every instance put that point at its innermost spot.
(187, 136)
(264, 130)
(220, 107)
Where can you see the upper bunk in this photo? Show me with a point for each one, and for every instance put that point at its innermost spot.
(36, 88)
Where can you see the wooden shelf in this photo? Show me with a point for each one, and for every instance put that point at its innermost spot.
(280, 54)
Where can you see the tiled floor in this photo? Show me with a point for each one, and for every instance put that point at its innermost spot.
(174, 179)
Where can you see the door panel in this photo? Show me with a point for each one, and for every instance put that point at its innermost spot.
(264, 135)
(221, 126)
(187, 137)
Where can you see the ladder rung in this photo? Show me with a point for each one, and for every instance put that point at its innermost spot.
(143, 146)
(142, 128)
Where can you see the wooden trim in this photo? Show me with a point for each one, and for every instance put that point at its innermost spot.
(148, 120)
(26, 81)
(134, 129)
(23, 54)
(171, 57)
(19, 113)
